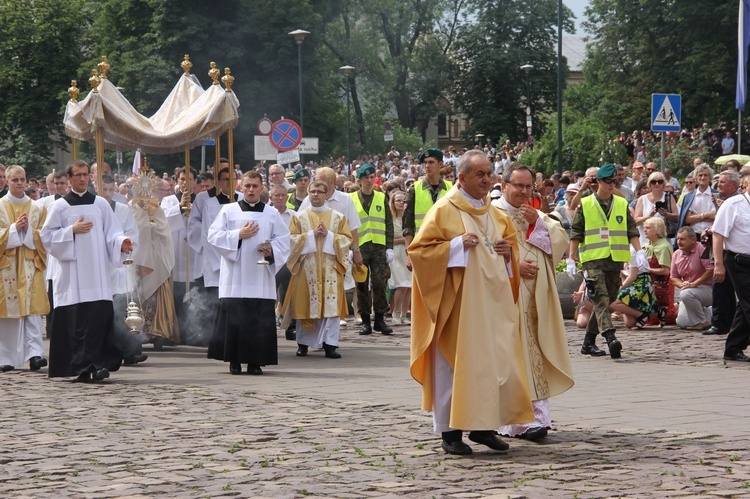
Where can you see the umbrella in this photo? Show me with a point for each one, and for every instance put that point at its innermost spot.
(740, 158)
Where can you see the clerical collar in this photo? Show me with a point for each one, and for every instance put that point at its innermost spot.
(476, 203)
(506, 205)
(79, 194)
(14, 200)
(319, 209)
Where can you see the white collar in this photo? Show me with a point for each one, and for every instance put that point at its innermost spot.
(79, 194)
(506, 205)
(476, 203)
(14, 200)
(319, 209)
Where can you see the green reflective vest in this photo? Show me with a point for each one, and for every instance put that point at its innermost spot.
(373, 223)
(423, 200)
(617, 245)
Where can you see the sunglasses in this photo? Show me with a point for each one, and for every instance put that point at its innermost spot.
(608, 180)
(657, 182)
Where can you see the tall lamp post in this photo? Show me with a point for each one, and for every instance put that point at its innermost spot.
(348, 71)
(526, 68)
(299, 37)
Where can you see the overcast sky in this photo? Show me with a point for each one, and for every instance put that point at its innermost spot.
(578, 7)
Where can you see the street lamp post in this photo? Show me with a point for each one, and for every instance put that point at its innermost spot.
(526, 68)
(299, 36)
(348, 71)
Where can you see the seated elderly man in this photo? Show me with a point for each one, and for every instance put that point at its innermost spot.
(692, 272)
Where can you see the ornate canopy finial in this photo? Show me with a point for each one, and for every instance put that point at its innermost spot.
(214, 73)
(186, 65)
(73, 91)
(227, 79)
(103, 67)
(94, 81)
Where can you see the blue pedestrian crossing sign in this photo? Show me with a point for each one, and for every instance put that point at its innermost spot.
(666, 112)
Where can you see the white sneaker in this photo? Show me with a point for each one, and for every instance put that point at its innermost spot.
(396, 319)
(342, 323)
(358, 320)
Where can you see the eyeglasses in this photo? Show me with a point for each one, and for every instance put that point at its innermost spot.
(522, 187)
(689, 182)
(608, 180)
(79, 175)
(656, 182)
(277, 173)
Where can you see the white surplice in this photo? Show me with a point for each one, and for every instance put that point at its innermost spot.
(85, 260)
(178, 227)
(130, 229)
(241, 276)
(205, 210)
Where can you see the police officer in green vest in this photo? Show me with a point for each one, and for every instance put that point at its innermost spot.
(376, 247)
(604, 229)
(301, 180)
(423, 194)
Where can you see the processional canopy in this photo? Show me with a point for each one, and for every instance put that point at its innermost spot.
(188, 117)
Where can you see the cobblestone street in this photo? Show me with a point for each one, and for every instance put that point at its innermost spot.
(667, 420)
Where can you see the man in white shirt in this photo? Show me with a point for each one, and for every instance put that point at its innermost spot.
(731, 244)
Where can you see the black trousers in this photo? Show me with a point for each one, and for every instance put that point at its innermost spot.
(739, 273)
(724, 304)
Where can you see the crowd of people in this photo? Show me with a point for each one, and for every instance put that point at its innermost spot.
(462, 245)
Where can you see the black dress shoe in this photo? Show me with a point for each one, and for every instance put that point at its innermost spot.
(159, 343)
(291, 334)
(331, 352)
(713, 330)
(533, 434)
(84, 377)
(134, 359)
(100, 374)
(489, 439)
(36, 363)
(6, 368)
(738, 356)
(235, 368)
(254, 370)
(458, 448)
(301, 350)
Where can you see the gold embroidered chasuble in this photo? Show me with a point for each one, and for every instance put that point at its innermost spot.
(470, 311)
(23, 290)
(543, 337)
(316, 289)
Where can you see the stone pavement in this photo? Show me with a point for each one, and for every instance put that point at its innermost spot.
(666, 420)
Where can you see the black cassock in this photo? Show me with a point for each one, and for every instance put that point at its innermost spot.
(244, 331)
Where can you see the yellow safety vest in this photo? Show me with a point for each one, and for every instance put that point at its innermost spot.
(373, 223)
(289, 203)
(616, 245)
(423, 200)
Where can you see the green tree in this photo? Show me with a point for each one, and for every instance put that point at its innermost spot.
(494, 42)
(586, 140)
(640, 47)
(41, 41)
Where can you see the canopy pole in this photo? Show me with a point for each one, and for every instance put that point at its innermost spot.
(217, 162)
(74, 91)
(186, 208)
(228, 81)
(99, 161)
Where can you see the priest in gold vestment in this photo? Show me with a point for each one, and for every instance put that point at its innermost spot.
(23, 295)
(465, 341)
(319, 260)
(542, 241)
